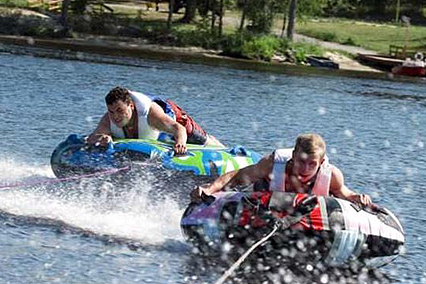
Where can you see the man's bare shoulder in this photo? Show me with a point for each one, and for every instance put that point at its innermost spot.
(337, 182)
(336, 172)
(157, 118)
(105, 120)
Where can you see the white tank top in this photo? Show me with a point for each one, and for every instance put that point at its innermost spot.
(277, 183)
(142, 105)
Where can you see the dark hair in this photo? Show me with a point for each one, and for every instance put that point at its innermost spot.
(116, 94)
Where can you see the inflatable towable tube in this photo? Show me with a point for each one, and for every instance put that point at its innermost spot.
(335, 233)
(74, 156)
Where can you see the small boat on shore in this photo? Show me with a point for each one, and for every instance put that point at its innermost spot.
(409, 71)
(411, 67)
(382, 62)
(325, 62)
(334, 232)
(74, 156)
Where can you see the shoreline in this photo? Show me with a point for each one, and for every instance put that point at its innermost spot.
(111, 50)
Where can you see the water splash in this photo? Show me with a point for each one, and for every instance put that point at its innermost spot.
(95, 205)
(13, 170)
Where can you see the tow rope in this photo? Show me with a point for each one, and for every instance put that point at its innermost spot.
(230, 270)
(303, 209)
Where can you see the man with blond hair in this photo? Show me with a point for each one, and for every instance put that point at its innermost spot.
(304, 169)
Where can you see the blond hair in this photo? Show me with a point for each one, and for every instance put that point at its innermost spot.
(310, 144)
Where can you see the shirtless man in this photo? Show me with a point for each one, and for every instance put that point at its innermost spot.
(302, 170)
(135, 115)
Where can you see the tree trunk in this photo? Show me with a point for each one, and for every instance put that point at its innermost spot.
(191, 8)
(63, 20)
(213, 21)
(243, 15)
(284, 9)
(170, 15)
(398, 5)
(221, 11)
(291, 19)
(212, 7)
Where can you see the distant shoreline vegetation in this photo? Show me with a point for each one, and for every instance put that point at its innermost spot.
(256, 30)
(245, 44)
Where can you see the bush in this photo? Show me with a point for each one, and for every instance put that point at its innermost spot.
(203, 38)
(78, 6)
(301, 50)
(263, 47)
(232, 45)
(246, 45)
(18, 24)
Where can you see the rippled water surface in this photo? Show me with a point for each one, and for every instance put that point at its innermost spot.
(93, 232)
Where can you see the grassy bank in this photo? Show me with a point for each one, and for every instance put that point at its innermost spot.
(373, 36)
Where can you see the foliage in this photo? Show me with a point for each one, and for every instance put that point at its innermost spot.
(79, 6)
(301, 50)
(14, 3)
(252, 46)
(311, 7)
(203, 38)
(97, 24)
(17, 24)
(342, 7)
(231, 45)
(263, 47)
(384, 10)
(254, 42)
(261, 14)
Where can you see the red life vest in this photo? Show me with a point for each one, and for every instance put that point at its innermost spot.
(277, 182)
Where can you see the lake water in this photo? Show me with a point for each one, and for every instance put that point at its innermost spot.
(88, 232)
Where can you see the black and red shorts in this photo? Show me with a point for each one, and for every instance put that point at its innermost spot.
(196, 135)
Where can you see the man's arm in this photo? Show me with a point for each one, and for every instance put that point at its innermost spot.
(159, 120)
(252, 173)
(244, 176)
(339, 189)
(102, 133)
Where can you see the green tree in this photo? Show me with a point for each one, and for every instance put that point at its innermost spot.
(299, 8)
(211, 10)
(261, 15)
